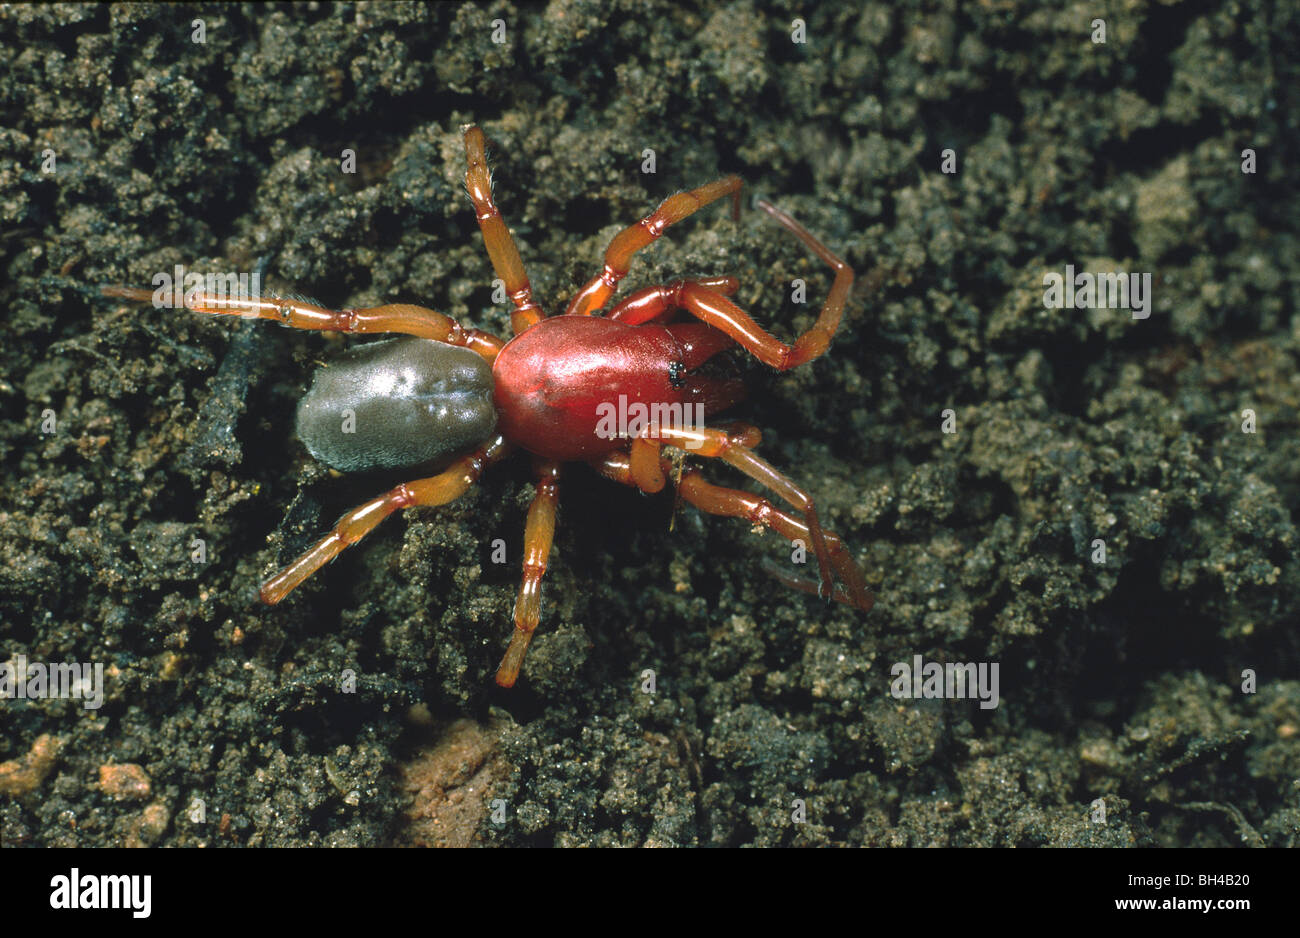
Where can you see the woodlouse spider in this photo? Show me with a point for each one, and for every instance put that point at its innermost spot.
(451, 392)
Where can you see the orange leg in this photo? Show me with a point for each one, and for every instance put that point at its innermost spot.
(645, 465)
(298, 314)
(654, 302)
(736, 447)
(618, 256)
(357, 523)
(757, 510)
(496, 236)
(717, 500)
(718, 311)
(539, 531)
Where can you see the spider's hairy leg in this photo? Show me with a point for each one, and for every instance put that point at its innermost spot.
(507, 263)
(717, 500)
(736, 448)
(618, 256)
(400, 318)
(757, 510)
(652, 303)
(539, 531)
(721, 313)
(357, 523)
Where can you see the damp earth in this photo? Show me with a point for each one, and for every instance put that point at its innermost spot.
(363, 712)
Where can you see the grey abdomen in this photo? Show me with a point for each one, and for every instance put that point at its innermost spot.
(396, 404)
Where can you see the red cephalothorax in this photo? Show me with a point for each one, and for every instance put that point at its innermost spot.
(611, 391)
(554, 405)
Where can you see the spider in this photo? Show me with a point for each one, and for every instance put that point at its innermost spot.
(447, 392)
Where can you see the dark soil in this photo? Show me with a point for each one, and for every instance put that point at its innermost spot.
(1162, 681)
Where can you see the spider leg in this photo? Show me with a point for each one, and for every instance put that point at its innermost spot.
(718, 311)
(654, 302)
(496, 236)
(299, 314)
(735, 447)
(647, 465)
(717, 500)
(539, 531)
(360, 521)
(757, 510)
(618, 256)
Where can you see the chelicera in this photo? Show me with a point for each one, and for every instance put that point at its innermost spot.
(447, 392)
